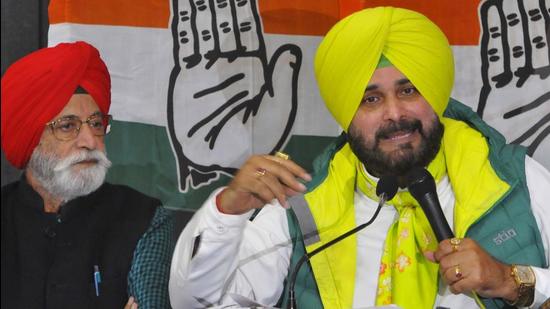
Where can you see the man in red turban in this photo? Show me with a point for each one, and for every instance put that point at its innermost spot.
(70, 240)
(37, 87)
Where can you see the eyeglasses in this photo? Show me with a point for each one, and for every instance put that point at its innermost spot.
(67, 128)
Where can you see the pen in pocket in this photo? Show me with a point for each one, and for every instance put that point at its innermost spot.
(97, 279)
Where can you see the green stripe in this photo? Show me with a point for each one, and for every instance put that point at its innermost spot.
(143, 159)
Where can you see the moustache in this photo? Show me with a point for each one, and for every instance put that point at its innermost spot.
(400, 126)
(81, 156)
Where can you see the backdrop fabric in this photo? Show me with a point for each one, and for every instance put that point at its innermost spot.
(200, 85)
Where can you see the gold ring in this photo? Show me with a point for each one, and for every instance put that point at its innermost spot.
(458, 273)
(260, 172)
(282, 155)
(455, 242)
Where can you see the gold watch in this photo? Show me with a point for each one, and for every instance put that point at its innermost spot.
(525, 280)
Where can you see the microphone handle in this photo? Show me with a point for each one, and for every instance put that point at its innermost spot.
(432, 209)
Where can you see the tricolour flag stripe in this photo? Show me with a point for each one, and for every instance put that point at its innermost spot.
(458, 19)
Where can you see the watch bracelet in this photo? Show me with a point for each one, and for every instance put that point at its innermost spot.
(525, 298)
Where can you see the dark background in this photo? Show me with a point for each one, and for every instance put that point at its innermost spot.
(24, 30)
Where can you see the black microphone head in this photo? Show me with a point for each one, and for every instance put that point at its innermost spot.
(387, 185)
(420, 182)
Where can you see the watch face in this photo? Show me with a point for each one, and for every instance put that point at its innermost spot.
(525, 274)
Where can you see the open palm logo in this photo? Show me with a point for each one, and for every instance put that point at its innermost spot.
(515, 97)
(226, 98)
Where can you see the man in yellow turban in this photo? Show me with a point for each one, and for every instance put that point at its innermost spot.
(386, 76)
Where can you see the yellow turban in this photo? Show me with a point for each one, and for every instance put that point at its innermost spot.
(349, 54)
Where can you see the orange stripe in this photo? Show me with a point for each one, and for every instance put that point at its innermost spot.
(458, 19)
(305, 17)
(133, 13)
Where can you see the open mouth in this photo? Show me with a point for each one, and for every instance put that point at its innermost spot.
(399, 131)
(399, 135)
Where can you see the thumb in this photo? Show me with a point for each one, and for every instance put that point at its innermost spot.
(280, 106)
(285, 63)
(430, 255)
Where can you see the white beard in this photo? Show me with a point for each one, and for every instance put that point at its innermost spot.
(59, 179)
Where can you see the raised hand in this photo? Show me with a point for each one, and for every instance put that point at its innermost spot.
(515, 97)
(262, 179)
(227, 99)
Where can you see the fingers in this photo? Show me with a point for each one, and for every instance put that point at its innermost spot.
(453, 255)
(200, 10)
(247, 26)
(449, 246)
(448, 269)
(262, 179)
(430, 255)
(194, 28)
(131, 304)
(187, 33)
(456, 263)
(514, 35)
(280, 173)
(466, 267)
(452, 275)
(514, 41)
(538, 19)
(273, 189)
(526, 38)
(494, 56)
(226, 29)
(282, 165)
(467, 277)
(130, 300)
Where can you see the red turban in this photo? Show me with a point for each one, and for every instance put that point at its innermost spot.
(38, 86)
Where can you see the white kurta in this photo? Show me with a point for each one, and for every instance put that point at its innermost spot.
(238, 257)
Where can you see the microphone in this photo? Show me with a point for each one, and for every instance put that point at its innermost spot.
(385, 190)
(421, 185)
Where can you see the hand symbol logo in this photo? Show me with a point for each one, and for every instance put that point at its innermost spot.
(226, 99)
(515, 97)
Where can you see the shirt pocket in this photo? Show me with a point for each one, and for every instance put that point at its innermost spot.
(111, 292)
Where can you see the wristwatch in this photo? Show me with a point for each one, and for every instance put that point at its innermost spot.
(525, 280)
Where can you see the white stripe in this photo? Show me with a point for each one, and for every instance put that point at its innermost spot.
(139, 61)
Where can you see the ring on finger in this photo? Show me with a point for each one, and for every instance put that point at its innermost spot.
(260, 172)
(458, 273)
(282, 155)
(455, 242)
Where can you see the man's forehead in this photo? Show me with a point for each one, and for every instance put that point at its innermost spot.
(73, 116)
(81, 105)
(387, 76)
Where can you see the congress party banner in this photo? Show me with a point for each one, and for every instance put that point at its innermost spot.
(200, 85)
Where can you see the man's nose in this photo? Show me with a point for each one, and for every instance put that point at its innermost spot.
(86, 138)
(393, 108)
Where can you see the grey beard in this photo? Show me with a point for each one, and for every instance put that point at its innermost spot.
(58, 179)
